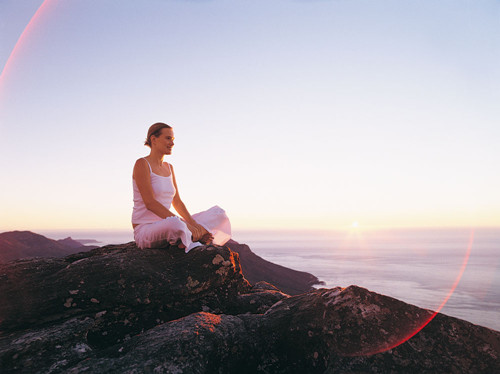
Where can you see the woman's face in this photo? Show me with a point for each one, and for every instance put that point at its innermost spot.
(164, 142)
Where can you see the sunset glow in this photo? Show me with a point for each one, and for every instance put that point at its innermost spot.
(367, 140)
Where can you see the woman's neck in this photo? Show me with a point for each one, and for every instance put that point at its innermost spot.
(156, 159)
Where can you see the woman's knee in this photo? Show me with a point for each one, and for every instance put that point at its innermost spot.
(175, 225)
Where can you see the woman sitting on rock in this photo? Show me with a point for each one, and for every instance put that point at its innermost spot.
(155, 190)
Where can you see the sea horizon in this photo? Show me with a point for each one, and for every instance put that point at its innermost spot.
(124, 235)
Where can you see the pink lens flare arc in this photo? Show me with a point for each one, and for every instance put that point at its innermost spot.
(443, 303)
(29, 27)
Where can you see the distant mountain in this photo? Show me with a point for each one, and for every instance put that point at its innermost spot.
(255, 268)
(70, 243)
(26, 244)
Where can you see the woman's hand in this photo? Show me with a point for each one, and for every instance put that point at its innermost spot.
(200, 234)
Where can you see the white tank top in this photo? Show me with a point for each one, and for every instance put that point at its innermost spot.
(164, 192)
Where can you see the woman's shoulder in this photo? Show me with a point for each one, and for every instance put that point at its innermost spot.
(141, 161)
(141, 165)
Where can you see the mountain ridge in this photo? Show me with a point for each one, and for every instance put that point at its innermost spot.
(18, 244)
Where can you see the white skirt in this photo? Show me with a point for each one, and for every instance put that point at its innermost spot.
(169, 230)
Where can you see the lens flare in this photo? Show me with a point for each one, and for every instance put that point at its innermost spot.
(443, 303)
(27, 30)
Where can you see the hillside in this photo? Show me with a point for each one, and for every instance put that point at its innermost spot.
(26, 244)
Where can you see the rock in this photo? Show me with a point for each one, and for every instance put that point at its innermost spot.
(118, 309)
(198, 343)
(262, 285)
(138, 289)
(256, 269)
(259, 299)
(303, 334)
(355, 330)
(45, 349)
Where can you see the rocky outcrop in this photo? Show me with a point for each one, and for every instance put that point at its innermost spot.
(257, 269)
(118, 309)
(126, 290)
(26, 244)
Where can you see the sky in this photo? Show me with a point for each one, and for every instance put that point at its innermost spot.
(288, 114)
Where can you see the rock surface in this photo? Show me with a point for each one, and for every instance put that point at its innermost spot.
(118, 309)
(125, 289)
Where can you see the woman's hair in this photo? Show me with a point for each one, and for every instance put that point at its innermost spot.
(155, 130)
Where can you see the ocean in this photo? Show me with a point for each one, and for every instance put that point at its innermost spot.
(456, 269)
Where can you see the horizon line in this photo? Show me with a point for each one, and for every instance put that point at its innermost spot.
(273, 229)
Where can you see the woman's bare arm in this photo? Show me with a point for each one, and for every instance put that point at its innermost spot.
(143, 180)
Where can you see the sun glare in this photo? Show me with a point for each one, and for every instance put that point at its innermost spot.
(354, 225)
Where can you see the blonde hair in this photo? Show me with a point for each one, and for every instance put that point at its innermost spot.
(155, 130)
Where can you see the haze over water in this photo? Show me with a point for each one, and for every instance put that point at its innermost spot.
(418, 266)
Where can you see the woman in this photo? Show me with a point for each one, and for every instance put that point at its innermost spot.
(155, 190)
